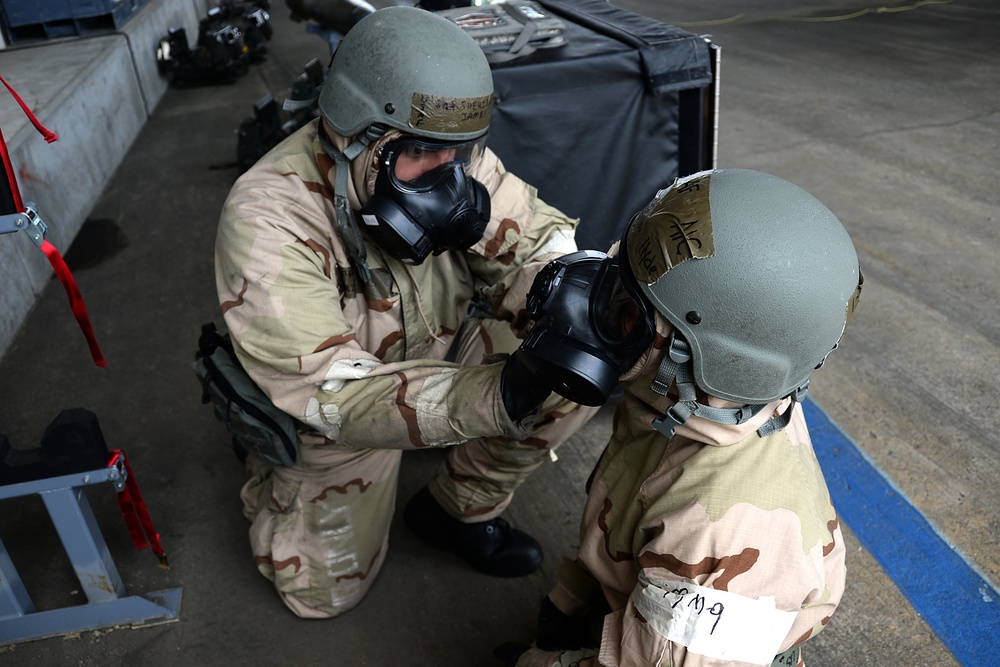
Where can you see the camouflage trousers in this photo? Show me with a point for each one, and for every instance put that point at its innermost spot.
(320, 528)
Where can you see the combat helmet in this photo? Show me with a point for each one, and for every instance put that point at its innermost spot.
(409, 69)
(757, 277)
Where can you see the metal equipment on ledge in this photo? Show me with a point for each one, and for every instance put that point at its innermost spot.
(73, 455)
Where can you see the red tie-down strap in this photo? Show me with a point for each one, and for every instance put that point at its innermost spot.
(76, 302)
(135, 513)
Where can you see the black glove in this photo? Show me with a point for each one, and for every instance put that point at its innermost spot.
(509, 653)
(522, 391)
(559, 632)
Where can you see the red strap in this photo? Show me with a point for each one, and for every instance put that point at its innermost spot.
(75, 301)
(45, 132)
(135, 513)
(55, 259)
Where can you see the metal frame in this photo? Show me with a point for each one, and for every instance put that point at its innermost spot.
(698, 111)
(28, 221)
(107, 602)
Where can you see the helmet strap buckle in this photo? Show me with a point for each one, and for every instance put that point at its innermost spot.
(678, 348)
(800, 392)
(374, 132)
(676, 415)
(676, 364)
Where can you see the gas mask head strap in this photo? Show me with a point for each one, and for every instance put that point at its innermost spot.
(350, 231)
(677, 368)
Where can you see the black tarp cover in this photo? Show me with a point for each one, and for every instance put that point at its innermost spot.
(594, 124)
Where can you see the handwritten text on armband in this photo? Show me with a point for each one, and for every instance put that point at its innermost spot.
(711, 622)
(695, 601)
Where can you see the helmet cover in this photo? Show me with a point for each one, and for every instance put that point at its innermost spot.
(410, 69)
(754, 272)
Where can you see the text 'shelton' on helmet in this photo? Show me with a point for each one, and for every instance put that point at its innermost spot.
(409, 69)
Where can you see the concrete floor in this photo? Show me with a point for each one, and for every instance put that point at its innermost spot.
(890, 118)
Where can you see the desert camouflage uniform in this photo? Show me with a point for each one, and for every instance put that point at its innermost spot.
(731, 534)
(363, 370)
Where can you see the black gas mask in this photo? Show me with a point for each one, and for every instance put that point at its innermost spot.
(591, 325)
(424, 202)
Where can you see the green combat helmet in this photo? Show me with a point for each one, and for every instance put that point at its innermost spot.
(417, 90)
(411, 70)
(759, 280)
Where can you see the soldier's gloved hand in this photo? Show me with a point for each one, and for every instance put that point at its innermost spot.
(510, 652)
(522, 391)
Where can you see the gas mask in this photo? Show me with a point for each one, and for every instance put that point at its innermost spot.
(591, 325)
(424, 201)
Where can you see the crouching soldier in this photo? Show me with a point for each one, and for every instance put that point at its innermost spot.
(708, 537)
(370, 270)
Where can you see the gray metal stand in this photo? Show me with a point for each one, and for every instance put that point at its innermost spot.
(107, 604)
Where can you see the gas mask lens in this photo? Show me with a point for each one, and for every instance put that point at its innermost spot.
(615, 311)
(420, 164)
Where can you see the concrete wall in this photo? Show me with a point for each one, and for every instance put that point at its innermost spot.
(96, 93)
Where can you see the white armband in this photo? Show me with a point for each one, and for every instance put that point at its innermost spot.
(714, 623)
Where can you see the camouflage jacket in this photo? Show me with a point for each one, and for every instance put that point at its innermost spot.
(359, 367)
(714, 547)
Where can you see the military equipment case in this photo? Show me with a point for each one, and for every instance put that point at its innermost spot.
(601, 123)
(511, 29)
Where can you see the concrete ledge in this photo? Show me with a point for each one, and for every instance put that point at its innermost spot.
(96, 93)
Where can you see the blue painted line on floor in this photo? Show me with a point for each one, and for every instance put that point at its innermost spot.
(960, 605)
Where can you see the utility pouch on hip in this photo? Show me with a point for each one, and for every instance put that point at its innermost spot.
(250, 416)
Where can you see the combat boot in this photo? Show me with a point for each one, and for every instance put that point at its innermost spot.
(492, 547)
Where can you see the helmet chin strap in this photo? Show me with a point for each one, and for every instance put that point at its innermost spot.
(347, 221)
(678, 368)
